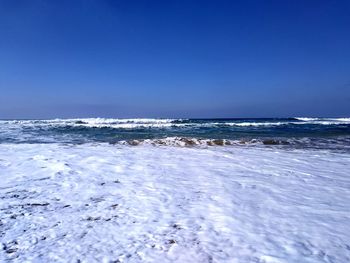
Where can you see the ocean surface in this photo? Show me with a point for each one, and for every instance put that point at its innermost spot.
(175, 190)
(318, 133)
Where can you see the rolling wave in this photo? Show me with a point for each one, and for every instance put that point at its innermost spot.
(338, 120)
(201, 142)
(168, 123)
(95, 123)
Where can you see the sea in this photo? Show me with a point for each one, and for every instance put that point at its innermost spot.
(313, 133)
(261, 190)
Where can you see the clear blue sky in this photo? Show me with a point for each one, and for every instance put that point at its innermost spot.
(149, 58)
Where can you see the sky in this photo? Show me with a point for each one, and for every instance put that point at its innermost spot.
(174, 59)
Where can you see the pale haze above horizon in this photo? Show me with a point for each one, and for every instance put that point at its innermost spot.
(174, 59)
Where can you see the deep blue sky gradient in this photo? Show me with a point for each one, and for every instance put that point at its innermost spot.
(148, 58)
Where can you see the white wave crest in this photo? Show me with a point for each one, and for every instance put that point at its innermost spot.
(306, 119)
(192, 141)
(181, 142)
(95, 123)
(323, 120)
(340, 119)
(135, 123)
(247, 124)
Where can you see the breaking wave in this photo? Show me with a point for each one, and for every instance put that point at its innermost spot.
(335, 144)
(188, 141)
(179, 141)
(323, 120)
(96, 123)
(248, 124)
(168, 123)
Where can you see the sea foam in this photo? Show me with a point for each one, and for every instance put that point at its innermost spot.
(102, 203)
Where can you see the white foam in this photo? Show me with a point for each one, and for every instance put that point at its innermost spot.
(316, 121)
(306, 119)
(247, 124)
(324, 121)
(186, 141)
(95, 123)
(99, 203)
(341, 119)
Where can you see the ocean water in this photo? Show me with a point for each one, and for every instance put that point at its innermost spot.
(326, 133)
(171, 190)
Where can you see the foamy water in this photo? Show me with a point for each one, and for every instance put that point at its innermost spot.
(175, 190)
(317, 133)
(108, 203)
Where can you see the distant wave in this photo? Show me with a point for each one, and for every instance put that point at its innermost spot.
(247, 124)
(126, 123)
(307, 119)
(97, 123)
(135, 123)
(91, 121)
(301, 121)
